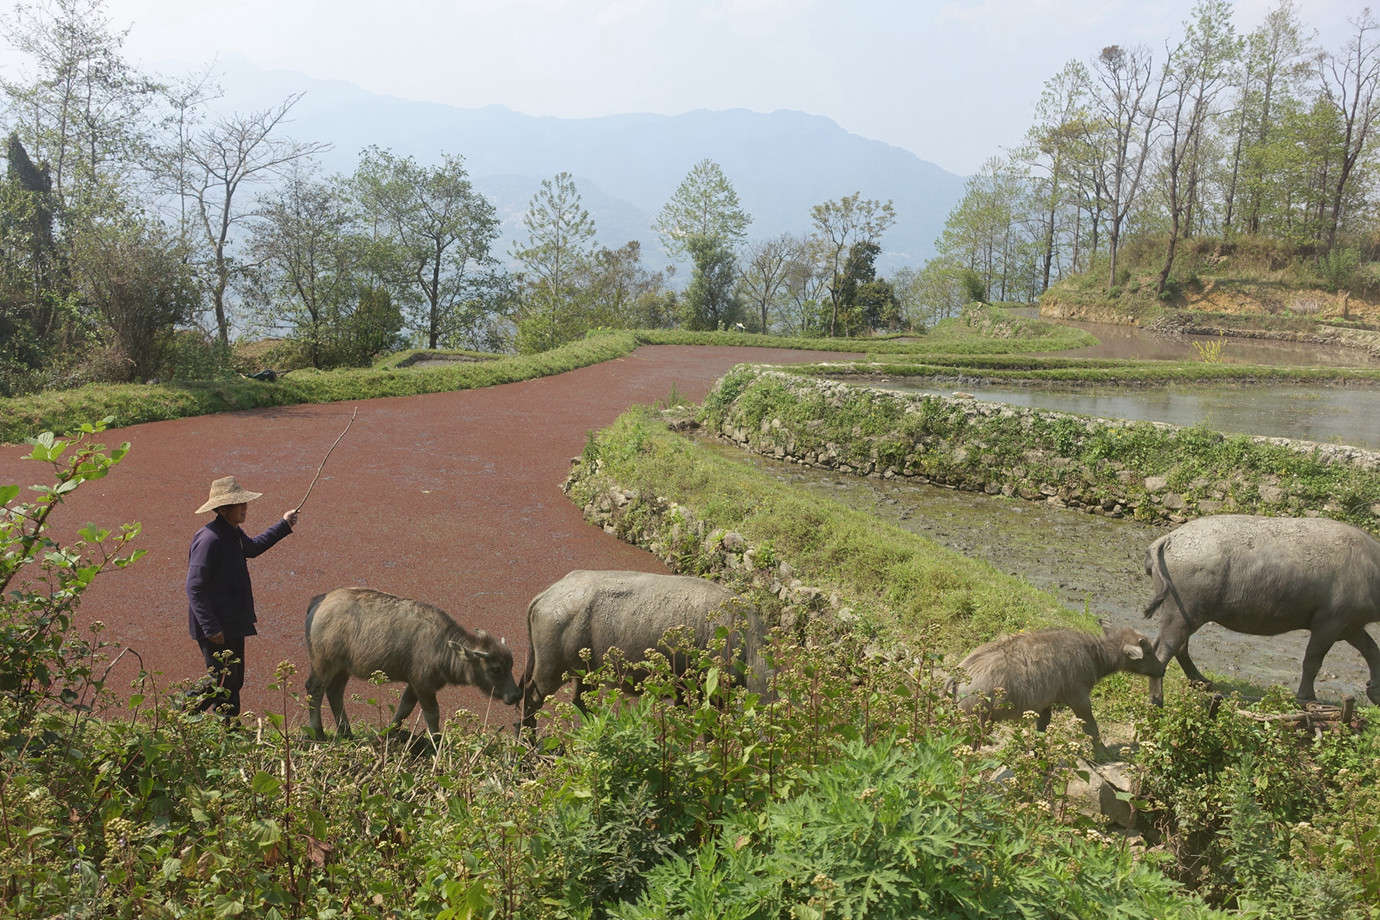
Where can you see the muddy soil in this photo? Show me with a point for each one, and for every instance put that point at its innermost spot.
(1088, 562)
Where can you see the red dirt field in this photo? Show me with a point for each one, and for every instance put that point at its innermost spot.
(450, 498)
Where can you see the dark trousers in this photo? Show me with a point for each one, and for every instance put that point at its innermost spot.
(224, 677)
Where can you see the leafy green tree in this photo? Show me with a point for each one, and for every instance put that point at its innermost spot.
(705, 204)
(933, 293)
(312, 265)
(866, 302)
(623, 293)
(373, 328)
(1276, 67)
(989, 233)
(556, 258)
(711, 300)
(135, 276)
(84, 110)
(435, 233)
(838, 225)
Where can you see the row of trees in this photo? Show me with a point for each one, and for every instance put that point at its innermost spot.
(1217, 135)
(821, 283)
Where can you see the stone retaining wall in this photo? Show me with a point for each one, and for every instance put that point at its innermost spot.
(967, 459)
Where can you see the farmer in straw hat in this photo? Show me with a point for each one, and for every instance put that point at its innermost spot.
(220, 600)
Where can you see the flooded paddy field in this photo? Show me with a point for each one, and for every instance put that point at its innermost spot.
(1087, 561)
(1340, 415)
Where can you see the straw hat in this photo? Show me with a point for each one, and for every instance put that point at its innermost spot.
(226, 491)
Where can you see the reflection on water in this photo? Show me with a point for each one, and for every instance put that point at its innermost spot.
(1344, 416)
(1136, 344)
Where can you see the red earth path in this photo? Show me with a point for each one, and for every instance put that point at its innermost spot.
(450, 498)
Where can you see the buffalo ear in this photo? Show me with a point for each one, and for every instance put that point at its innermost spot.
(1133, 652)
(458, 646)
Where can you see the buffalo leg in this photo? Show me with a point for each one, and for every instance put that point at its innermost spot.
(1363, 643)
(1081, 704)
(1172, 642)
(335, 692)
(405, 706)
(314, 701)
(1320, 642)
(432, 713)
(532, 698)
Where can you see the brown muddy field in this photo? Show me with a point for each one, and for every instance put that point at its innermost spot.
(450, 498)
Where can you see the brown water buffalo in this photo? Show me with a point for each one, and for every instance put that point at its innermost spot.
(353, 632)
(1036, 671)
(631, 612)
(1264, 576)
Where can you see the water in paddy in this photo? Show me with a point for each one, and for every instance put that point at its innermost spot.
(1349, 415)
(1085, 560)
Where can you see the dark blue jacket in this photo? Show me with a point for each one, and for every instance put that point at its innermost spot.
(219, 595)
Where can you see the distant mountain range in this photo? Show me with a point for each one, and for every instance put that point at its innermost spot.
(625, 166)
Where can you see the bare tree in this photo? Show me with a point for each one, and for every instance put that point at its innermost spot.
(218, 163)
(1123, 133)
(765, 271)
(1195, 71)
(1350, 82)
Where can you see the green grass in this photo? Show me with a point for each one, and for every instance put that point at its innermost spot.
(911, 587)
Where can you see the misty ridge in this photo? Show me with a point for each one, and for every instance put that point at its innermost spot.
(625, 166)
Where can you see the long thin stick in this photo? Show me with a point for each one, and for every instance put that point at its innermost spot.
(325, 458)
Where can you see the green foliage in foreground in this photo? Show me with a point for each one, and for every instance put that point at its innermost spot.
(896, 580)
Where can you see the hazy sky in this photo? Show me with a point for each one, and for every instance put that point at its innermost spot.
(953, 81)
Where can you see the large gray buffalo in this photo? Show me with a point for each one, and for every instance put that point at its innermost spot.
(630, 612)
(1036, 671)
(1264, 576)
(353, 632)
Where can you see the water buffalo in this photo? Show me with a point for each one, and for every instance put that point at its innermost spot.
(1264, 576)
(353, 632)
(630, 612)
(1035, 671)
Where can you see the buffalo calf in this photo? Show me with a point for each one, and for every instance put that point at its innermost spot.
(1035, 671)
(353, 632)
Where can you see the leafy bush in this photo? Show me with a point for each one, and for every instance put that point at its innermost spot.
(1236, 800)
(42, 580)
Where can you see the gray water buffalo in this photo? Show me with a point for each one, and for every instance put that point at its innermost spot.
(1036, 671)
(630, 612)
(353, 632)
(1264, 576)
